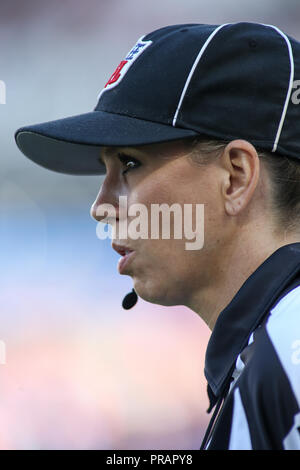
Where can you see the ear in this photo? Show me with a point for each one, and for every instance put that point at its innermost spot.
(241, 162)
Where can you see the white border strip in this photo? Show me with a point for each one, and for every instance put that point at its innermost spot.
(202, 50)
(291, 81)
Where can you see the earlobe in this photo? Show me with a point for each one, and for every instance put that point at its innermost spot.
(232, 207)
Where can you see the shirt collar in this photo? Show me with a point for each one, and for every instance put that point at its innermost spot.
(245, 312)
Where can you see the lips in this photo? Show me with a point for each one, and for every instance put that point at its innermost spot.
(121, 249)
(127, 255)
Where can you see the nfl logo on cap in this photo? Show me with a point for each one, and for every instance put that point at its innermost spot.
(125, 64)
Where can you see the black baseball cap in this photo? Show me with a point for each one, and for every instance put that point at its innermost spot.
(229, 81)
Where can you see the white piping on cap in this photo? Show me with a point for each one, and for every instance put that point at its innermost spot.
(290, 87)
(289, 91)
(201, 52)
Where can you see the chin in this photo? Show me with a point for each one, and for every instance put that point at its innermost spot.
(154, 292)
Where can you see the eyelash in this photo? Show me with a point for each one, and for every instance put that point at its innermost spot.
(125, 159)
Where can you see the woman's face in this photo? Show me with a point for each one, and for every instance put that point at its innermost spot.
(163, 270)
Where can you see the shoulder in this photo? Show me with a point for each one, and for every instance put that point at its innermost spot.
(276, 345)
(283, 331)
(286, 311)
(269, 384)
(272, 357)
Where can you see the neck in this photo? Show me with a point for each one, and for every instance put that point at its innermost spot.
(232, 269)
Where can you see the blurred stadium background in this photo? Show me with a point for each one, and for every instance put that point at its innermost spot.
(80, 372)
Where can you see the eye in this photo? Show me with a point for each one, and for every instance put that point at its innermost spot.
(129, 162)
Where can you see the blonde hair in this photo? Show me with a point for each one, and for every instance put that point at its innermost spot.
(283, 171)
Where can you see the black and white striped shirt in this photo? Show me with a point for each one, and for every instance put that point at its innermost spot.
(253, 361)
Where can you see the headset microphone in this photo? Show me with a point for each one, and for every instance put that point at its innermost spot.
(130, 300)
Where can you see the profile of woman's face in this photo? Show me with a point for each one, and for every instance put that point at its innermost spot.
(163, 270)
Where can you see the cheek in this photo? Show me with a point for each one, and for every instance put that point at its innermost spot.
(150, 191)
(165, 273)
(165, 270)
(185, 218)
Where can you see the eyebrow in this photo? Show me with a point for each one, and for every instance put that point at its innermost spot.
(110, 151)
(100, 160)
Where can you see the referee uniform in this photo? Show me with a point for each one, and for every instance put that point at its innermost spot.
(253, 361)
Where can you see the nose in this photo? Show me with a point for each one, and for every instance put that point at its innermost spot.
(105, 207)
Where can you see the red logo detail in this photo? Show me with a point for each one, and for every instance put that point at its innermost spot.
(117, 73)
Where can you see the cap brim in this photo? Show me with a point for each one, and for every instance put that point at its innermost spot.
(72, 145)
